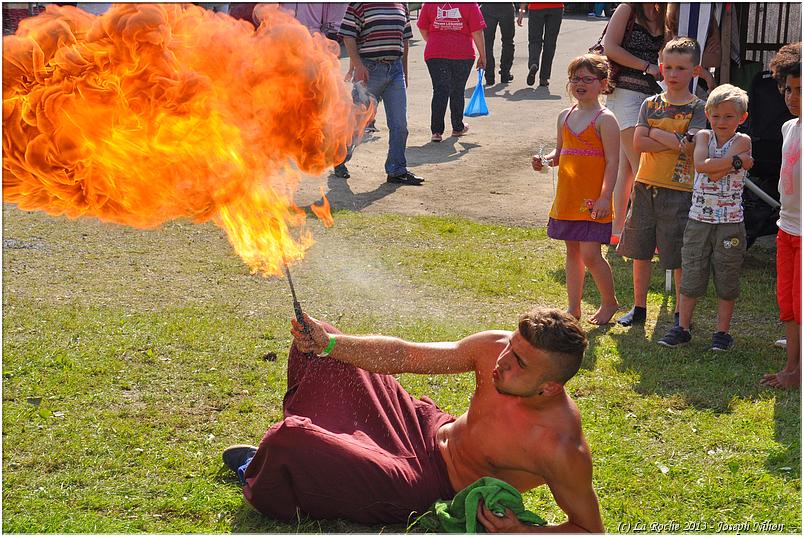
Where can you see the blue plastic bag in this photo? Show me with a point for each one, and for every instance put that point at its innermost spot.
(477, 104)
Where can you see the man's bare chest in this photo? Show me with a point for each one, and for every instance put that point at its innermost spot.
(504, 442)
(503, 450)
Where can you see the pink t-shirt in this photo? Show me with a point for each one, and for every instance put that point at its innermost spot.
(450, 27)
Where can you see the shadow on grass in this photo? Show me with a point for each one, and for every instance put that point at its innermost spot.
(594, 334)
(246, 520)
(704, 378)
(786, 462)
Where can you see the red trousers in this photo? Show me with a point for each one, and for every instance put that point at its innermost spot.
(353, 445)
(788, 276)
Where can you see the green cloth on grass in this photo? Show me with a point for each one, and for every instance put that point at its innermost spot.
(459, 515)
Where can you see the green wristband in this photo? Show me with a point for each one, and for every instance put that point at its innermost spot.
(329, 347)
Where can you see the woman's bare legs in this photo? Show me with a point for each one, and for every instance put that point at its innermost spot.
(629, 164)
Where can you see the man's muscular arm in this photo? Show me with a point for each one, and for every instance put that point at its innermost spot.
(569, 477)
(570, 481)
(390, 355)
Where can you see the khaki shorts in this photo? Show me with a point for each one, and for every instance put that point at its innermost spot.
(715, 248)
(656, 219)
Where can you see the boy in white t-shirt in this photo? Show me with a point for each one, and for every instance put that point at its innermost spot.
(714, 237)
(786, 67)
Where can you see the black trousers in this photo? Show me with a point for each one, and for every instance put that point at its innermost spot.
(543, 27)
(502, 15)
(449, 82)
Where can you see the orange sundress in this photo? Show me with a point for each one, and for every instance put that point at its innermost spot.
(580, 173)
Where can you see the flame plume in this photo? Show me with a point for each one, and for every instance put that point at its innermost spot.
(322, 212)
(153, 112)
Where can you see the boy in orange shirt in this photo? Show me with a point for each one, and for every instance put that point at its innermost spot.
(662, 195)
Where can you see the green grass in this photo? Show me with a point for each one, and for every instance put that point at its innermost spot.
(132, 358)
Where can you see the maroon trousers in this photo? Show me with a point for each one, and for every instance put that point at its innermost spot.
(353, 445)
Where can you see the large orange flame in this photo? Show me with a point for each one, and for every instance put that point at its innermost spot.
(152, 112)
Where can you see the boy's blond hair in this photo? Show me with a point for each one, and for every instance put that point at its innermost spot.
(726, 93)
(684, 45)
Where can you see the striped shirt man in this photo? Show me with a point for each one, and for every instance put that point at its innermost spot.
(380, 28)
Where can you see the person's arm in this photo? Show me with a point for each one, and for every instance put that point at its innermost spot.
(704, 164)
(747, 156)
(570, 481)
(669, 140)
(424, 21)
(333, 16)
(710, 80)
(407, 35)
(523, 7)
(697, 123)
(480, 44)
(610, 135)
(553, 156)
(390, 355)
(405, 49)
(644, 143)
(613, 40)
(351, 27)
(714, 167)
(357, 71)
(642, 140)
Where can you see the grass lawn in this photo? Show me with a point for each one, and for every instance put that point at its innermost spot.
(132, 358)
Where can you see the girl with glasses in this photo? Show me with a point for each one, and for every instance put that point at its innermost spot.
(587, 155)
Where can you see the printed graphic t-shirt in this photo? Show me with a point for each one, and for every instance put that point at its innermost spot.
(671, 168)
(719, 201)
(450, 26)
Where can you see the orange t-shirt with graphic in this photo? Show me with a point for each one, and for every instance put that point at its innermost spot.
(671, 168)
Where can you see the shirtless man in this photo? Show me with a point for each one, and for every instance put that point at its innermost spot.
(355, 445)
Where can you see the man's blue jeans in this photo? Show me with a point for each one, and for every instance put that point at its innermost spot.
(387, 82)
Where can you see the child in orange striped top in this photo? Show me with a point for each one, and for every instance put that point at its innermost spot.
(587, 156)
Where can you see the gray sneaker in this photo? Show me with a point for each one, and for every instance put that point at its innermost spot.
(722, 341)
(675, 337)
(235, 456)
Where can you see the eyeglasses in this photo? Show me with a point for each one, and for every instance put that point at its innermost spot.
(584, 79)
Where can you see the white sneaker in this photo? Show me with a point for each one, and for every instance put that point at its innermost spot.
(781, 343)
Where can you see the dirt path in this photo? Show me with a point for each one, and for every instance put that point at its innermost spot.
(485, 175)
